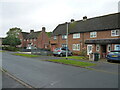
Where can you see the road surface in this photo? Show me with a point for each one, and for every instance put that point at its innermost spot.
(42, 74)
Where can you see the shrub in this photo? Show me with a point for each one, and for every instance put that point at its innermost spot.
(83, 52)
(9, 48)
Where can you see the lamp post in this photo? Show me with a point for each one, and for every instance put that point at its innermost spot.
(66, 40)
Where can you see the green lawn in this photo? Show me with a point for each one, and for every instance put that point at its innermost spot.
(77, 57)
(25, 55)
(2, 51)
(72, 62)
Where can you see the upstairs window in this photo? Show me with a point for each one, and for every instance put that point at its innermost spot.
(64, 36)
(55, 37)
(93, 34)
(76, 35)
(115, 33)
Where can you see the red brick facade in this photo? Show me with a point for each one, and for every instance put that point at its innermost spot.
(83, 37)
(39, 39)
(104, 41)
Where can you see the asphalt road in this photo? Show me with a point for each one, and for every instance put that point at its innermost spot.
(42, 74)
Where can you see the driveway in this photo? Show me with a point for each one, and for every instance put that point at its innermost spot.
(42, 74)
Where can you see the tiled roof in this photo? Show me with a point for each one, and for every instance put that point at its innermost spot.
(30, 35)
(106, 22)
(24, 34)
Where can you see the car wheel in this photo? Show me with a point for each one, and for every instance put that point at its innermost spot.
(54, 55)
(71, 54)
(108, 60)
(61, 55)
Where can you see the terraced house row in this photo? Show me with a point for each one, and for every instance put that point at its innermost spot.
(99, 34)
(35, 39)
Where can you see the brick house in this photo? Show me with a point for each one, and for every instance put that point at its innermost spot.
(99, 34)
(38, 39)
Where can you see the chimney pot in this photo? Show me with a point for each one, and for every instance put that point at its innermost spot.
(84, 18)
(43, 29)
(72, 20)
(31, 31)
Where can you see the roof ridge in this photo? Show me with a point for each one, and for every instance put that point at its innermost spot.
(99, 16)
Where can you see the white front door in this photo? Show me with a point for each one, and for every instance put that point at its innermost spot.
(89, 49)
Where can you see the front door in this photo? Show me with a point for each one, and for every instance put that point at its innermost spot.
(104, 50)
(89, 49)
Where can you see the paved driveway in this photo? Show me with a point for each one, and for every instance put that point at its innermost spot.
(42, 74)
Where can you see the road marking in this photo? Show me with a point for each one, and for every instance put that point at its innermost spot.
(18, 80)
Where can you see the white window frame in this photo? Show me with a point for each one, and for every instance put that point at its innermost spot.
(98, 47)
(113, 33)
(115, 46)
(76, 35)
(93, 34)
(64, 36)
(109, 46)
(34, 39)
(54, 37)
(31, 40)
(88, 49)
(76, 47)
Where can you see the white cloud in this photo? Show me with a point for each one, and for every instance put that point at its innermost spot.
(33, 14)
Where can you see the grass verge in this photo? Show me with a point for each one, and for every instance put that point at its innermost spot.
(25, 55)
(72, 62)
(77, 57)
(2, 51)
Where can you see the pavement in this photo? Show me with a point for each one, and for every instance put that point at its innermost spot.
(42, 74)
(8, 82)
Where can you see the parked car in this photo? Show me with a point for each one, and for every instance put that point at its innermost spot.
(113, 56)
(61, 52)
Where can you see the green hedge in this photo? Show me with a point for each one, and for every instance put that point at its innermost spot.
(9, 48)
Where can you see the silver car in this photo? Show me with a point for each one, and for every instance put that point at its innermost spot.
(61, 52)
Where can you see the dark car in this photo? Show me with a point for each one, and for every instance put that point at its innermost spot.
(114, 56)
(61, 51)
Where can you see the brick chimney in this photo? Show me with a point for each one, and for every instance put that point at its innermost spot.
(84, 18)
(31, 31)
(43, 29)
(72, 20)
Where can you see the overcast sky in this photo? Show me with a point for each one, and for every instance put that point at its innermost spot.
(34, 14)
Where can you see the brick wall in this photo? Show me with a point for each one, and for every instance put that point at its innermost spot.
(81, 40)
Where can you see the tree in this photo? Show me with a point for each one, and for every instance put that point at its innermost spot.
(12, 41)
(14, 32)
(12, 37)
(49, 34)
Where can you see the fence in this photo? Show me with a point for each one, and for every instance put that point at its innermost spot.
(41, 52)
